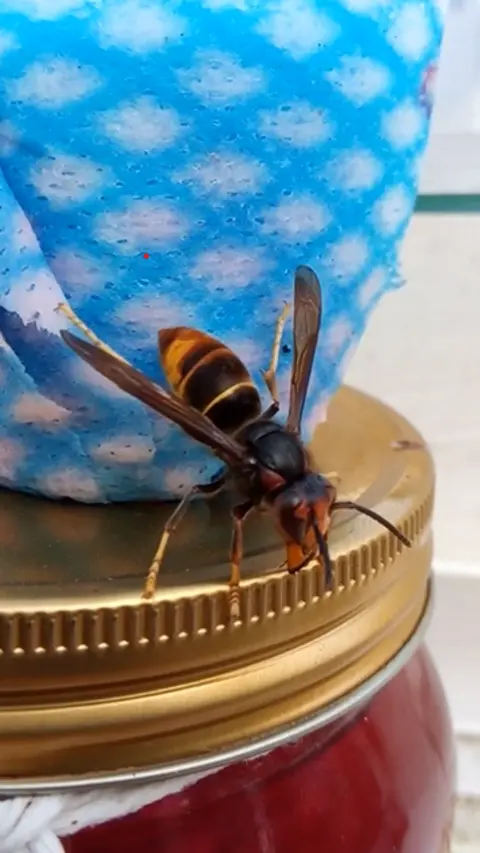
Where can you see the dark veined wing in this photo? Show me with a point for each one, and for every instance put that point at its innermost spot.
(307, 314)
(135, 383)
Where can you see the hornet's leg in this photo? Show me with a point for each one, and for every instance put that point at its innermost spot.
(236, 553)
(68, 312)
(209, 490)
(269, 375)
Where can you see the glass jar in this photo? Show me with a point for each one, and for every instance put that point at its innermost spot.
(379, 782)
(315, 719)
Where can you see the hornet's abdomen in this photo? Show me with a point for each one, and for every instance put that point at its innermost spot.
(209, 377)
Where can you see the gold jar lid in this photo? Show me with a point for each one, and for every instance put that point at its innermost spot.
(96, 685)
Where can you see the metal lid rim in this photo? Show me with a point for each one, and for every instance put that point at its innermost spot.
(204, 764)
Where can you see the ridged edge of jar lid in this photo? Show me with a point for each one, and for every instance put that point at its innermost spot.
(347, 704)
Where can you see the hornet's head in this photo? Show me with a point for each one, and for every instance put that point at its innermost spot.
(303, 515)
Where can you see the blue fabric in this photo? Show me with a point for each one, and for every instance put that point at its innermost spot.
(172, 163)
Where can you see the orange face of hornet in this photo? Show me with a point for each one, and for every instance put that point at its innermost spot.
(303, 516)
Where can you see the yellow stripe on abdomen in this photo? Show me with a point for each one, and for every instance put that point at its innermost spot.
(224, 395)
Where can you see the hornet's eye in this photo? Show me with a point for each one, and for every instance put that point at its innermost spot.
(293, 521)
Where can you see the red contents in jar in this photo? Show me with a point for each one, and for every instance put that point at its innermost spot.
(379, 783)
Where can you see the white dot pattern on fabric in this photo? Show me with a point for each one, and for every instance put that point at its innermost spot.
(224, 175)
(218, 78)
(7, 42)
(299, 124)
(45, 10)
(142, 125)
(354, 170)
(403, 124)
(297, 220)
(298, 27)
(65, 181)
(348, 257)
(52, 84)
(410, 33)
(361, 79)
(139, 27)
(167, 164)
(228, 267)
(139, 224)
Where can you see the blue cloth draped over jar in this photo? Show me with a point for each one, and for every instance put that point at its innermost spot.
(171, 163)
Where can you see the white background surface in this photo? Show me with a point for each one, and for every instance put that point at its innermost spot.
(452, 164)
